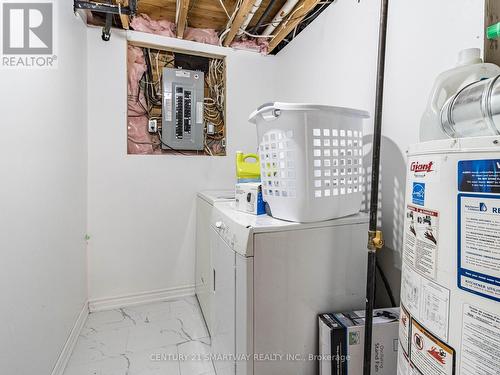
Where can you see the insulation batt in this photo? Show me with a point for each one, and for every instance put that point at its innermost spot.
(139, 139)
(162, 27)
(207, 36)
(253, 44)
(166, 28)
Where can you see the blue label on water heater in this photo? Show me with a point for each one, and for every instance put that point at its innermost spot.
(479, 227)
(418, 193)
(479, 176)
(479, 244)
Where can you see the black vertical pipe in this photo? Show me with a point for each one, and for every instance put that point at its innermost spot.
(377, 137)
(132, 5)
(264, 16)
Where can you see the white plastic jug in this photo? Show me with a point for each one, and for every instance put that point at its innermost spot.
(469, 69)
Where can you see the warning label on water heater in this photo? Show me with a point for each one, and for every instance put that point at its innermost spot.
(421, 240)
(479, 244)
(428, 354)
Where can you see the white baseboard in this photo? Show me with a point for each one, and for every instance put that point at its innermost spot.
(111, 303)
(67, 350)
(103, 304)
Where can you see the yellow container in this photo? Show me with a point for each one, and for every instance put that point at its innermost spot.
(246, 170)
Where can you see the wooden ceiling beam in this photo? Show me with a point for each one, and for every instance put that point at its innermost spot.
(301, 10)
(123, 17)
(181, 19)
(245, 8)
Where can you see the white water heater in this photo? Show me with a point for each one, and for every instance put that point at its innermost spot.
(450, 309)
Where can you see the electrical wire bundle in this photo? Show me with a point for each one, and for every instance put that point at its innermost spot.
(152, 89)
(230, 19)
(214, 106)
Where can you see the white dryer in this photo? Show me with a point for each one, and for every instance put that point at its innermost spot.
(203, 268)
(271, 279)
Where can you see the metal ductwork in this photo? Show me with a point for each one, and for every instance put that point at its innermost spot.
(474, 110)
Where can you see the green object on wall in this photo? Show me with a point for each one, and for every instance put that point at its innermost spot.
(493, 31)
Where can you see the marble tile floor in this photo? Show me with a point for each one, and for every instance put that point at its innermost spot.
(163, 338)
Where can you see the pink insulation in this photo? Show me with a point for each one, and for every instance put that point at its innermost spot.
(166, 28)
(252, 44)
(207, 36)
(139, 139)
(162, 27)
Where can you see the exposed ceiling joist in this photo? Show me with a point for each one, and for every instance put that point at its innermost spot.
(207, 14)
(181, 16)
(245, 8)
(296, 16)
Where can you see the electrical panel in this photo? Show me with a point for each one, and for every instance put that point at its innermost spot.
(183, 95)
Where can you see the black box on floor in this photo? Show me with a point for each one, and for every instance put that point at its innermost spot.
(342, 337)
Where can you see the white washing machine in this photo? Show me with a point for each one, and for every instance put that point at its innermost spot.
(271, 279)
(203, 266)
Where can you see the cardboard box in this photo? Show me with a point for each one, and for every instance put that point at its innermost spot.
(249, 198)
(342, 337)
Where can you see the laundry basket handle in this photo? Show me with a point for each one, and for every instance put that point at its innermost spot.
(267, 111)
(271, 114)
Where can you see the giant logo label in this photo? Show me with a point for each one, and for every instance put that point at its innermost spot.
(422, 167)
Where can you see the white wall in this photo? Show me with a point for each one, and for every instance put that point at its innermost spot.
(43, 204)
(333, 61)
(141, 208)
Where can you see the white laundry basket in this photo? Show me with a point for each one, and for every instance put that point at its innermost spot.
(311, 160)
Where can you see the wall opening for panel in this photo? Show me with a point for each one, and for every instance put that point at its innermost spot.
(176, 102)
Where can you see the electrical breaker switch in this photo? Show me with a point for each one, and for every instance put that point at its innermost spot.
(183, 93)
(210, 128)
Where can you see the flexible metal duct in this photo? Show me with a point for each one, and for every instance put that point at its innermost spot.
(474, 110)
